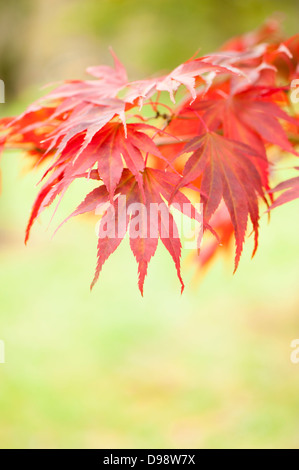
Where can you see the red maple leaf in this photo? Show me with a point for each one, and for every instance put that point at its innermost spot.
(228, 172)
(153, 221)
(251, 116)
(291, 191)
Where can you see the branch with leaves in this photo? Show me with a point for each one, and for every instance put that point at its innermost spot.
(205, 131)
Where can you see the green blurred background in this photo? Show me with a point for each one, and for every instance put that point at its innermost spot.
(109, 369)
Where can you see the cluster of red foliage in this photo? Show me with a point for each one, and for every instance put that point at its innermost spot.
(212, 137)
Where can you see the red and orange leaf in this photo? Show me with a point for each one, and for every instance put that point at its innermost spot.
(228, 173)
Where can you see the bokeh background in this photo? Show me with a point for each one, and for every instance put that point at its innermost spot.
(210, 368)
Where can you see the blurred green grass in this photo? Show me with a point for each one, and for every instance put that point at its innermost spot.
(210, 368)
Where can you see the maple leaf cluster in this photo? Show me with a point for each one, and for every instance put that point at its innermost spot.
(209, 131)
